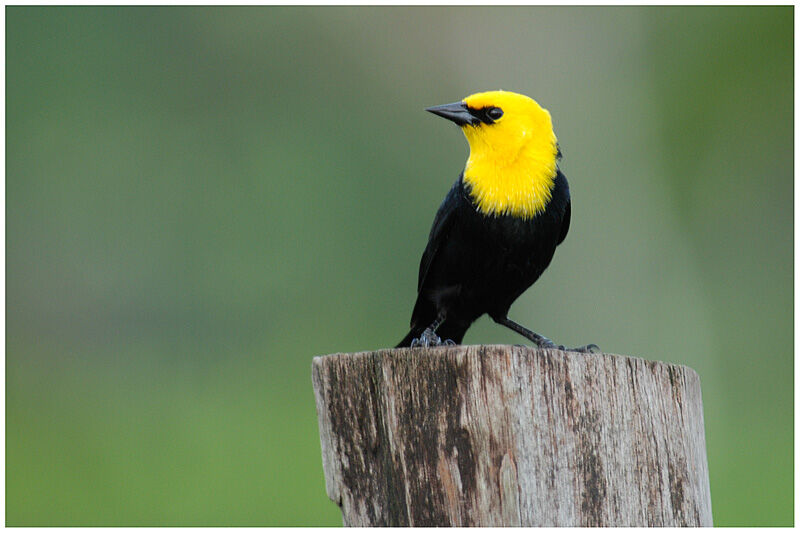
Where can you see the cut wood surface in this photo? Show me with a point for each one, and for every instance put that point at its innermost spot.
(511, 436)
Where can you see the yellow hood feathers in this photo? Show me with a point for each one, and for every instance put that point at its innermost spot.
(512, 162)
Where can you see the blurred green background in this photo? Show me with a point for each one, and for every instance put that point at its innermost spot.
(199, 200)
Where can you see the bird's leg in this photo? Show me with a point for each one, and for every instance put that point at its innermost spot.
(429, 336)
(540, 340)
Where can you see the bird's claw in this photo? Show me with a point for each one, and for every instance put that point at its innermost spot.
(430, 338)
(589, 348)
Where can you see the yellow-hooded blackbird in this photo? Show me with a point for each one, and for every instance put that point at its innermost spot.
(498, 227)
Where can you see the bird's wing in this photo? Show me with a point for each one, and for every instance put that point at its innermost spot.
(442, 223)
(565, 223)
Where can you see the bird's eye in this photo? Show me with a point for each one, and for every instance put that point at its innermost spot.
(494, 113)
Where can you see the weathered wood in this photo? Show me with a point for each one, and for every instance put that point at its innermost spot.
(510, 435)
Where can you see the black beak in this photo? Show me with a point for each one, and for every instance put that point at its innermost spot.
(458, 112)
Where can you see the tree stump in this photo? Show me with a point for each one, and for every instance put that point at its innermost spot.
(511, 436)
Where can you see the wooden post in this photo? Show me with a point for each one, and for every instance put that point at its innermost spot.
(511, 436)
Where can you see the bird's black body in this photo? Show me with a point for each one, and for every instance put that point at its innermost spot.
(476, 263)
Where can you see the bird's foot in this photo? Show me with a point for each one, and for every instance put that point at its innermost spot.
(430, 338)
(589, 348)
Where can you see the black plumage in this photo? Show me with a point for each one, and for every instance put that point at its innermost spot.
(477, 263)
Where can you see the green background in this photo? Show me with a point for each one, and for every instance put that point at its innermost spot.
(200, 200)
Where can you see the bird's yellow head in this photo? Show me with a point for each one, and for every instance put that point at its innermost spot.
(513, 151)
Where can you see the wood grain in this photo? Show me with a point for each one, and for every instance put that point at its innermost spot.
(511, 436)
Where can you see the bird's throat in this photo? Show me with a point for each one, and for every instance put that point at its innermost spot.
(519, 185)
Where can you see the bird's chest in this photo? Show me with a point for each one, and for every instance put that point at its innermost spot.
(511, 237)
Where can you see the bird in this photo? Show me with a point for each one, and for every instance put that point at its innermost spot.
(498, 227)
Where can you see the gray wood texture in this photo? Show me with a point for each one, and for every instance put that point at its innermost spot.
(511, 436)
